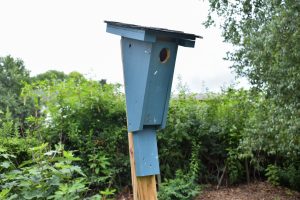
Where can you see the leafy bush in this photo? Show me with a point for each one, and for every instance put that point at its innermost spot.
(272, 173)
(230, 136)
(290, 176)
(49, 175)
(217, 138)
(182, 187)
(87, 116)
(12, 142)
(215, 123)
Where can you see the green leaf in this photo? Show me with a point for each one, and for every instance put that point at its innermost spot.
(69, 155)
(5, 164)
(77, 169)
(4, 193)
(108, 192)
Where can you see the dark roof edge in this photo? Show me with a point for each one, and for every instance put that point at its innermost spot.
(146, 28)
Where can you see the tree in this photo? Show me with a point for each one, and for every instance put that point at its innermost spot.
(49, 75)
(13, 76)
(266, 39)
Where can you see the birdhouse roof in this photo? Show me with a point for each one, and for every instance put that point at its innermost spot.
(151, 34)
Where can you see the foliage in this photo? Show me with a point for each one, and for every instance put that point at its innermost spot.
(266, 37)
(48, 175)
(13, 76)
(290, 176)
(272, 174)
(88, 116)
(212, 128)
(11, 140)
(50, 75)
(268, 139)
(266, 34)
(224, 138)
(182, 187)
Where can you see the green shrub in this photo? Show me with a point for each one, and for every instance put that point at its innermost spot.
(272, 173)
(48, 175)
(90, 117)
(290, 176)
(182, 187)
(234, 132)
(12, 142)
(215, 122)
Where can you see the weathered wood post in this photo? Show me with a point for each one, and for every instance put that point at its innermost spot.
(148, 56)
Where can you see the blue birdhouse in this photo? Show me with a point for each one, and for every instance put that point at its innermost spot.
(148, 56)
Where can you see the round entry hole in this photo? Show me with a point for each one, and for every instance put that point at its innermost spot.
(164, 55)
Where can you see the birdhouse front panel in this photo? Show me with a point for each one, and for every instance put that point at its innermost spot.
(159, 82)
(148, 74)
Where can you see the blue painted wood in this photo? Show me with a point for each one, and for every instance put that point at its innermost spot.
(159, 82)
(136, 57)
(131, 33)
(145, 152)
(148, 82)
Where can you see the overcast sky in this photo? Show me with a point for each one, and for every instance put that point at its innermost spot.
(70, 35)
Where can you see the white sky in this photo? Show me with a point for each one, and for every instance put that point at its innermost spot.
(70, 35)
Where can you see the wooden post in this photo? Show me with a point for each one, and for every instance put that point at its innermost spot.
(144, 188)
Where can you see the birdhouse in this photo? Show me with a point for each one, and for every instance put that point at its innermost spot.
(148, 56)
